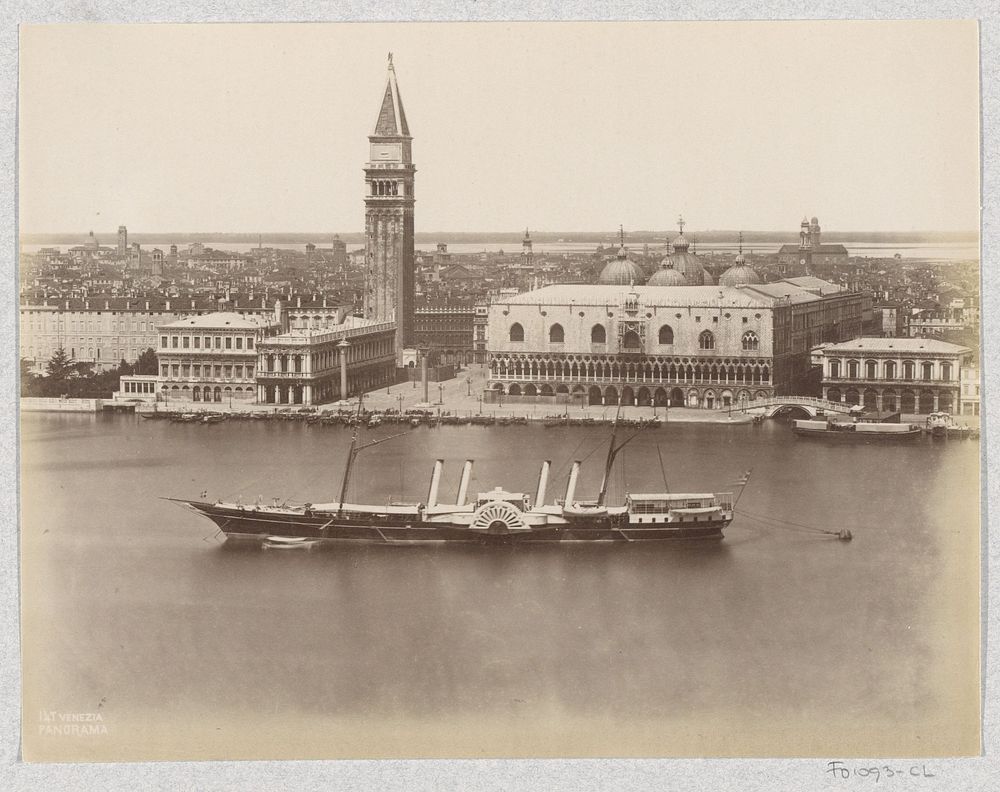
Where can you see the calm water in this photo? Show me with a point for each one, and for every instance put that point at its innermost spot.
(133, 609)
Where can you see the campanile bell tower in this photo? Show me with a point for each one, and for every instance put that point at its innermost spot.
(389, 264)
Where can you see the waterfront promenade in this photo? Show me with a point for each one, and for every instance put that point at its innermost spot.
(461, 396)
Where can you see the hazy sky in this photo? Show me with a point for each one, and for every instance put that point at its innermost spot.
(869, 125)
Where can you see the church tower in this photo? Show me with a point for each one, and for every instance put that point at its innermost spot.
(527, 254)
(389, 262)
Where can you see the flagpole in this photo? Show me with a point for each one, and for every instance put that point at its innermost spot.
(744, 480)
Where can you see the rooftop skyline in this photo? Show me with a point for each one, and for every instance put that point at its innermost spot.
(238, 128)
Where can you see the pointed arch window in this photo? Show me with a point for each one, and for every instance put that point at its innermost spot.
(706, 340)
(666, 335)
(751, 343)
(631, 342)
(556, 334)
(598, 335)
(516, 332)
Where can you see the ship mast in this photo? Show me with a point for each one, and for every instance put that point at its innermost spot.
(350, 457)
(612, 453)
(355, 450)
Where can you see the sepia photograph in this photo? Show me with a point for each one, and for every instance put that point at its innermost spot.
(500, 390)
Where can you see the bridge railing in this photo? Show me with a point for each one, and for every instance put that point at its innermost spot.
(810, 401)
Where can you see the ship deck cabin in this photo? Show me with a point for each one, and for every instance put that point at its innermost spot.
(678, 507)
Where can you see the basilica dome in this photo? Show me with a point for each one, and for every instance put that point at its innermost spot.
(688, 264)
(740, 274)
(666, 275)
(620, 271)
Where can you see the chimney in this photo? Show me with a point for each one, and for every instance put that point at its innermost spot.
(435, 482)
(147, 305)
(168, 305)
(107, 305)
(463, 484)
(543, 478)
(298, 302)
(571, 485)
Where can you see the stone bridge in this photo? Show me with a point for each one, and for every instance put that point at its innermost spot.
(809, 404)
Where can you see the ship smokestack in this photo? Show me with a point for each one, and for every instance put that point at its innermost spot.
(543, 480)
(463, 486)
(432, 496)
(571, 486)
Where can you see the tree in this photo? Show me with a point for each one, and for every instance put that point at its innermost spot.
(83, 369)
(60, 366)
(147, 363)
(29, 380)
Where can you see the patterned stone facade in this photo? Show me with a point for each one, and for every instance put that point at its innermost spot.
(684, 346)
(695, 346)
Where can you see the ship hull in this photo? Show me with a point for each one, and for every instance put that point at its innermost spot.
(859, 437)
(261, 524)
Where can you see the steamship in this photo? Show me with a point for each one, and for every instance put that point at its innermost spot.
(495, 516)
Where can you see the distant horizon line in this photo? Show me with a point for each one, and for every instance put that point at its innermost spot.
(536, 235)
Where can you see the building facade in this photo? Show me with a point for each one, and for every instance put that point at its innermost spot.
(480, 328)
(909, 375)
(694, 346)
(389, 200)
(98, 330)
(212, 358)
(104, 331)
(446, 332)
(970, 384)
(316, 365)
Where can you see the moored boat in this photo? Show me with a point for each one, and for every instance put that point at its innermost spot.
(860, 431)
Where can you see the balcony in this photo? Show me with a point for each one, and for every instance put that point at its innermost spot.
(244, 381)
(639, 379)
(296, 375)
(906, 383)
(210, 352)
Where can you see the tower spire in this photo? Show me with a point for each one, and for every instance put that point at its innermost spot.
(680, 223)
(391, 116)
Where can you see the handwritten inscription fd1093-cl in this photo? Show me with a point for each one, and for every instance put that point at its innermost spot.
(842, 771)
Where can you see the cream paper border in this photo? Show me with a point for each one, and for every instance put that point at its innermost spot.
(551, 774)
